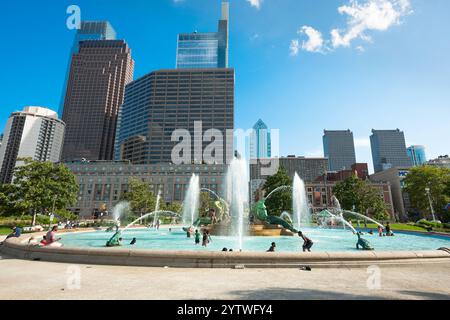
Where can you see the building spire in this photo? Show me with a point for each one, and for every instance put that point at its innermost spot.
(225, 10)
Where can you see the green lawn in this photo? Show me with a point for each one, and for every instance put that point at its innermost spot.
(401, 227)
(5, 231)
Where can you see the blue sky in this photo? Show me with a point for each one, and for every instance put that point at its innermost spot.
(386, 67)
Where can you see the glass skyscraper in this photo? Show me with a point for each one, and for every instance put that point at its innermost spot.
(417, 155)
(260, 141)
(89, 30)
(339, 148)
(161, 102)
(389, 150)
(205, 50)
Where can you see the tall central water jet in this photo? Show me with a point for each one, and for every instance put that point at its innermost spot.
(158, 202)
(300, 203)
(119, 210)
(237, 195)
(191, 201)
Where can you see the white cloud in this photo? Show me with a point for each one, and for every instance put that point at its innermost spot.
(255, 3)
(378, 15)
(294, 47)
(363, 16)
(315, 41)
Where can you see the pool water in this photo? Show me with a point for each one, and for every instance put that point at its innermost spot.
(325, 240)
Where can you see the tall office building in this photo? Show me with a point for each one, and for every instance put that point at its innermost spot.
(35, 133)
(95, 91)
(89, 30)
(205, 50)
(417, 155)
(389, 150)
(167, 100)
(339, 148)
(260, 141)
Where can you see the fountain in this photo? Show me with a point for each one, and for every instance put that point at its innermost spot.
(341, 212)
(191, 201)
(300, 203)
(158, 202)
(237, 196)
(154, 214)
(119, 210)
(340, 218)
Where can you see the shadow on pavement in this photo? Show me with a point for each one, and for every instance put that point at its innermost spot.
(308, 294)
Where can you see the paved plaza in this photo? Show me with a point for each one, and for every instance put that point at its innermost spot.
(30, 279)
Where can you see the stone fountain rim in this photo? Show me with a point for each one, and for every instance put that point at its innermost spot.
(19, 248)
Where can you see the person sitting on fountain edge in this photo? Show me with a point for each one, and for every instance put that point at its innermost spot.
(272, 247)
(307, 242)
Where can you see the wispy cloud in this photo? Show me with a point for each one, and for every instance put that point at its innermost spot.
(362, 17)
(294, 48)
(255, 3)
(315, 41)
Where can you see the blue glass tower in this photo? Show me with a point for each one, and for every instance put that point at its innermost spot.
(205, 50)
(89, 30)
(417, 155)
(260, 141)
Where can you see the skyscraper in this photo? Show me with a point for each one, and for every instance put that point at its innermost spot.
(417, 155)
(260, 141)
(99, 72)
(167, 100)
(89, 30)
(339, 148)
(205, 50)
(35, 133)
(389, 150)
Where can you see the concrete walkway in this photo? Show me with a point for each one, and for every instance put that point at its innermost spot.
(36, 280)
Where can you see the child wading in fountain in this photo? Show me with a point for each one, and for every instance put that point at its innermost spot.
(197, 237)
(272, 247)
(307, 242)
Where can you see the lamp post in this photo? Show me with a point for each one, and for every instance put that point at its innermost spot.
(427, 190)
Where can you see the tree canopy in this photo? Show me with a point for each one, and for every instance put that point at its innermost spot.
(438, 181)
(40, 187)
(280, 201)
(140, 197)
(356, 194)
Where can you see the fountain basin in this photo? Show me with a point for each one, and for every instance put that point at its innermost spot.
(18, 248)
(198, 257)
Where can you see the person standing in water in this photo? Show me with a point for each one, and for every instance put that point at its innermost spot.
(205, 239)
(197, 237)
(307, 242)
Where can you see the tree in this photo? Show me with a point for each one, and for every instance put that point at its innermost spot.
(175, 207)
(42, 187)
(356, 194)
(141, 199)
(280, 201)
(437, 180)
